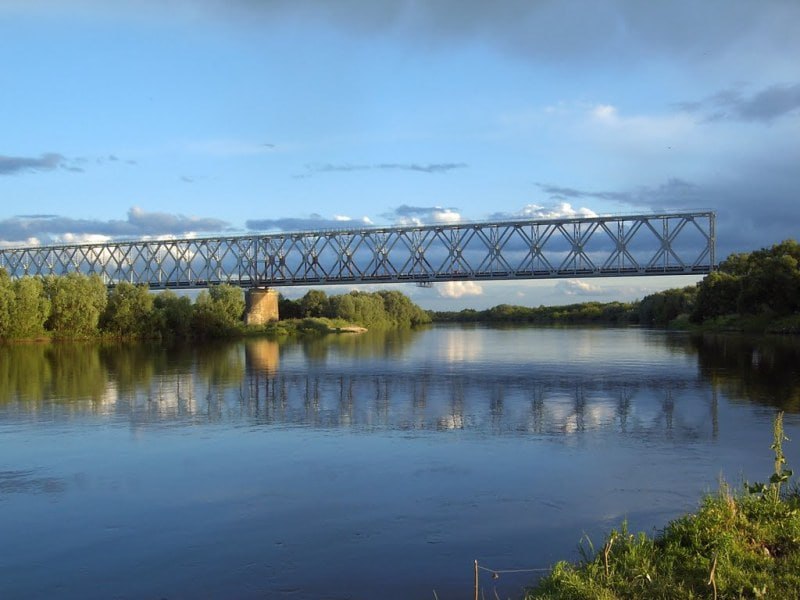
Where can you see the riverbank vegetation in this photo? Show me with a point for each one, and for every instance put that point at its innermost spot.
(76, 306)
(737, 545)
(753, 291)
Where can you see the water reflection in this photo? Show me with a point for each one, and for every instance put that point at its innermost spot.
(387, 381)
(763, 369)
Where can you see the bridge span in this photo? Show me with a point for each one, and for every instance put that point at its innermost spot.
(678, 243)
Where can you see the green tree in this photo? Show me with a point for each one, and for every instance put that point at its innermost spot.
(129, 311)
(76, 303)
(218, 311)
(717, 295)
(6, 303)
(173, 314)
(662, 307)
(30, 309)
(314, 304)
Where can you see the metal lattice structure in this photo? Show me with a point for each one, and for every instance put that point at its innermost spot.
(612, 246)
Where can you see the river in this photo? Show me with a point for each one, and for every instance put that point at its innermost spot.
(366, 466)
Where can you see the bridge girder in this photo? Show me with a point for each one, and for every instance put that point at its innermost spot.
(678, 243)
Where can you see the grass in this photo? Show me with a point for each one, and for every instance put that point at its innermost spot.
(307, 326)
(737, 545)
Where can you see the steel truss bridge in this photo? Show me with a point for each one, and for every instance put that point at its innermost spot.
(606, 246)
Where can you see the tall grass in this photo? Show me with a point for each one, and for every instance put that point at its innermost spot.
(737, 545)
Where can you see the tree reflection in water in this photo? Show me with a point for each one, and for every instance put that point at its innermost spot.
(361, 382)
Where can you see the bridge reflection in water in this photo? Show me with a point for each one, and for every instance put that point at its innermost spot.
(248, 383)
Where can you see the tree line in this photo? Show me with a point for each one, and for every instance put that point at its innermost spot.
(751, 290)
(373, 310)
(77, 306)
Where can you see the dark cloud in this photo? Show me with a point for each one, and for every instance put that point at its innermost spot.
(50, 161)
(557, 192)
(548, 30)
(755, 207)
(666, 195)
(11, 165)
(731, 104)
(420, 168)
(138, 223)
(313, 222)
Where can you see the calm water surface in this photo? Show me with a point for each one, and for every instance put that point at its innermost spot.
(374, 466)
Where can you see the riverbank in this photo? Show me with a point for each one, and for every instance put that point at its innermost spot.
(737, 545)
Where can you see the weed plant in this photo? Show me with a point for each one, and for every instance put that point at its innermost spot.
(737, 545)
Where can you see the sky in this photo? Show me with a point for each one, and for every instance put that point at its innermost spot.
(160, 118)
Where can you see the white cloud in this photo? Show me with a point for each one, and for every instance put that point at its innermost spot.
(604, 112)
(562, 210)
(424, 215)
(576, 287)
(81, 238)
(458, 289)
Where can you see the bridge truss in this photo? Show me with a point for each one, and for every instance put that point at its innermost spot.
(609, 246)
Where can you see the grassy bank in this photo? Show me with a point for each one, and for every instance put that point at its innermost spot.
(301, 327)
(737, 545)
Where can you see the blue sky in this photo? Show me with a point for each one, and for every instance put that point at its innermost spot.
(155, 118)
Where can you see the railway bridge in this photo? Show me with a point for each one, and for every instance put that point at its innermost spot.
(675, 243)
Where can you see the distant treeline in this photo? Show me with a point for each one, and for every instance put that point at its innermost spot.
(76, 306)
(757, 290)
(615, 313)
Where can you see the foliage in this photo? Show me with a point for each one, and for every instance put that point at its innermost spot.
(735, 546)
(764, 282)
(23, 307)
(378, 310)
(661, 308)
(76, 304)
(173, 315)
(129, 311)
(218, 311)
(615, 313)
(6, 304)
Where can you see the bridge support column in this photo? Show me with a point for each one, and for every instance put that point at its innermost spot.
(261, 306)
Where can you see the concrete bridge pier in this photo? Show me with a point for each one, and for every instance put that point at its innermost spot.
(261, 306)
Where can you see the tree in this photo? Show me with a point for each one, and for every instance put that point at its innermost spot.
(129, 311)
(76, 303)
(218, 311)
(314, 304)
(30, 309)
(6, 303)
(717, 295)
(173, 314)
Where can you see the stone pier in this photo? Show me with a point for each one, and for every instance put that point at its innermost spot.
(261, 306)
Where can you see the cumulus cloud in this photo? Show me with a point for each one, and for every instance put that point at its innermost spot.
(423, 215)
(577, 287)
(458, 289)
(20, 229)
(313, 169)
(313, 222)
(765, 105)
(560, 210)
